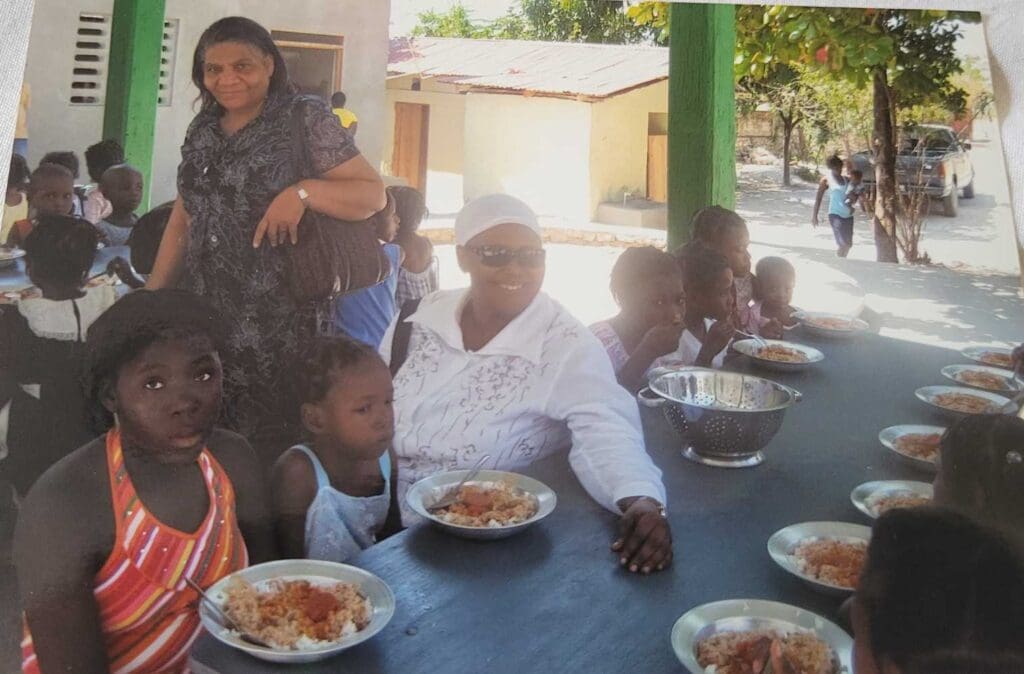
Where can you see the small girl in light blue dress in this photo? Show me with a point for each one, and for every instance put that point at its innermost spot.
(332, 494)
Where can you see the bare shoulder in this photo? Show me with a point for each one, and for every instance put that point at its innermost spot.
(418, 253)
(78, 480)
(234, 453)
(293, 481)
(67, 517)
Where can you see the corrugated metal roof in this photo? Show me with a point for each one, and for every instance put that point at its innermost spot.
(546, 68)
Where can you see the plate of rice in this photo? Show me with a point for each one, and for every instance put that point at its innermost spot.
(779, 355)
(916, 445)
(828, 556)
(735, 635)
(960, 401)
(495, 504)
(993, 356)
(875, 498)
(833, 326)
(307, 610)
(981, 377)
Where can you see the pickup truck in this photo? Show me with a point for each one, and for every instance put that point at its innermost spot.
(929, 158)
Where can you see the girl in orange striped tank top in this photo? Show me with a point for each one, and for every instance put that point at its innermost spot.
(107, 537)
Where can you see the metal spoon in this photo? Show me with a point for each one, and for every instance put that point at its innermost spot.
(224, 619)
(453, 494)
(757, 338)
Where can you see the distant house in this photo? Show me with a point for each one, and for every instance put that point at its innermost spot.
(563, 126)
(327, 46)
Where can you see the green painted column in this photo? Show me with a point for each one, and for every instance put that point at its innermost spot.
(133, 82)
(701, 113)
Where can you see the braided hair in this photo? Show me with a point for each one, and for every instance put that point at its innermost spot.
(327, 362)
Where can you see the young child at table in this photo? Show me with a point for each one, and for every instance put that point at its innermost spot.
(365, 314)
(332, 495)
(710, 309)
(42, 340)
(981, 470)
(647, 285)
(725, 231)
(69, 160)
(122, 186)
(770, 313)
(51, 190)
(107, 536)
(418, 276)
(15, 200)
(98, 158)
(935, 580)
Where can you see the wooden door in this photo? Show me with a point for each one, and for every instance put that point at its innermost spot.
(409, 156)
(657, 168)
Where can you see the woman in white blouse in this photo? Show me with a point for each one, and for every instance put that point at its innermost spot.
(502, 369)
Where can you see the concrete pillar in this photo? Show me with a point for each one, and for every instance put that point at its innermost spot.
(133, 82)
(701, 114)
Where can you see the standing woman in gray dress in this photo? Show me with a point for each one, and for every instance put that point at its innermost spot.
(240, 201)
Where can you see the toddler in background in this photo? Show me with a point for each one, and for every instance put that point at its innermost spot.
(855, 190)
(98, 158)
(51, 191)
(771, 313)
(69, 160)
(122, 187)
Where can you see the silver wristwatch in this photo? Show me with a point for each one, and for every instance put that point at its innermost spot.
(303, 196)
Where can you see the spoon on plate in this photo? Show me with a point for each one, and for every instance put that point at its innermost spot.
(453, 494)
(223, 617)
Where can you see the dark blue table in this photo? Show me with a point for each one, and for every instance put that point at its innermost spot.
(553, 600)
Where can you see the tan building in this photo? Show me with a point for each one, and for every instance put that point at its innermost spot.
(563, 126)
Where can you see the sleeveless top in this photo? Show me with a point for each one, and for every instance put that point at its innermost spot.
(609, 339)
(837, 197)
(339, 526)
(148, 614)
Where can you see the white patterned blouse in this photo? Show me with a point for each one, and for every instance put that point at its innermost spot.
(542, 384)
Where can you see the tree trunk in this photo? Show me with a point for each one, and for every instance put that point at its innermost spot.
(885, 171)
(787, 139)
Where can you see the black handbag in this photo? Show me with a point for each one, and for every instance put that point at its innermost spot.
(332, 256)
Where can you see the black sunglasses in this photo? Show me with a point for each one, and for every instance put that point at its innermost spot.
(499, 256)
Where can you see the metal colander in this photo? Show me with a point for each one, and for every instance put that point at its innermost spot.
(723, 418)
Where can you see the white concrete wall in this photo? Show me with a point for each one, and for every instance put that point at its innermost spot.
(57, 125)
(445, 139)
(618, 153)
(535, 148)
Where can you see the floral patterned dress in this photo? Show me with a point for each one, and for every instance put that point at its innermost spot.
(227, 184)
